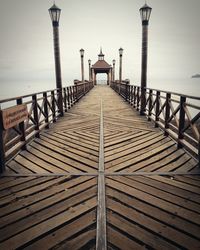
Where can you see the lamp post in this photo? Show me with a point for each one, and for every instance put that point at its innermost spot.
(82, 64)
(89, 63)
(145, 13)
(113, 76)
(120, 64)
(54, 12)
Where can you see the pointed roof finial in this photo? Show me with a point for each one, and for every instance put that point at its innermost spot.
(101, 50)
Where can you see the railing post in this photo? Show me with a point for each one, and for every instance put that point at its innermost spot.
(68, 98)
(181, 120)
(127, 90)
(53, 106)
(2, 149)
(60, 102)
(76, 87)
(35, 115)
(138, 98)
(22, 127)
(134, 97)
(71, 96)
(157, 108)
(167, 112)
(65, 99)
(150, 104)
(46, 111)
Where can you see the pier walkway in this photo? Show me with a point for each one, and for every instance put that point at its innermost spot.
(101, 177)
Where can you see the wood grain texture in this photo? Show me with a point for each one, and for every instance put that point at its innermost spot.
(51, 194)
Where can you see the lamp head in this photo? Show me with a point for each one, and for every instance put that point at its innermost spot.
(121, 51)
(54, 12)
(145, 13)
(82, 52)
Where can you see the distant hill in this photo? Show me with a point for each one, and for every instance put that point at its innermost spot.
(196, 76)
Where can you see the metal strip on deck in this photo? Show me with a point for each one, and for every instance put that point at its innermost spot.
(101, 241)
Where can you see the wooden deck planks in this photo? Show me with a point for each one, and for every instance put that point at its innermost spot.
(150, 210)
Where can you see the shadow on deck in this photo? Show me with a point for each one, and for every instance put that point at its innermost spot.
(49, 192)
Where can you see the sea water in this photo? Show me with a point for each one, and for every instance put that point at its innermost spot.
(190, 86)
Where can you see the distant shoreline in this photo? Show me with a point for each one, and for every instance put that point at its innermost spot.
(196, 76)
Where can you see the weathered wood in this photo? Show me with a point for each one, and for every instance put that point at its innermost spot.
(101, 241)
(151, 197)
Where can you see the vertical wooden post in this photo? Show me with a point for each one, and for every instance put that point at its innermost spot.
(68, 98)
(46, 111)
(138, 98)
(127, 90)
(65, 99)
(181, 120)
(131, 95)
(167, 112)
(22, 127)
(157, 108)
(150, 104)
(2, 149)
(134, 97)
(76, 91)
(71, 96)
(35, 115)
(53, 106)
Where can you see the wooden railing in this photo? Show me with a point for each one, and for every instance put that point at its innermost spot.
(176, 114)
(43, 109)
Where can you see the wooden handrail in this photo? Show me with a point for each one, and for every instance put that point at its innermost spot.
(43, 109)
(170, 111)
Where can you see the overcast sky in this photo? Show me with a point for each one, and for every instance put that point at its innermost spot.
(26, 52)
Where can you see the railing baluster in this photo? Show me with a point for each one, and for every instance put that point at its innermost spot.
(46, 110)
(68, 98)
(53, 106)
(35, 115)
(71, 96)
(74, 95)
(181, 120)
(65, 99)
(167, 112)
(134, 97)
(138, 99)
(150, 104)
(157, 108)
(22, 127)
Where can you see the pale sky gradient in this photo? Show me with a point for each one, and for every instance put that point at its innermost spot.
(27, 41)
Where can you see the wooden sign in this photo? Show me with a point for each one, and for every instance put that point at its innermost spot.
(14, 115)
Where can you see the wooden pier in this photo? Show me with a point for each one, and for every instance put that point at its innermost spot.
(101, 177)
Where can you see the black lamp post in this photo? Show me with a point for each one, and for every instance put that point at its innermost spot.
(120, 64)
(82, 64)
(113, 76)
(145, 13)
(89, 63)
(54, 12)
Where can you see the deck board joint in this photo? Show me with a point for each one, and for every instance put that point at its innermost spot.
(101, 239)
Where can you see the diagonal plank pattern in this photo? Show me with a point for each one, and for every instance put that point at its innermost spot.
(48, 212)
(133, 144)
(102, 169)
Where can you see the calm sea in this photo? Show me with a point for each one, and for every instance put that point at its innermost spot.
(190, 86)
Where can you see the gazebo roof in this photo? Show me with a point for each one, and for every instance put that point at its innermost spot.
(101, 64)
